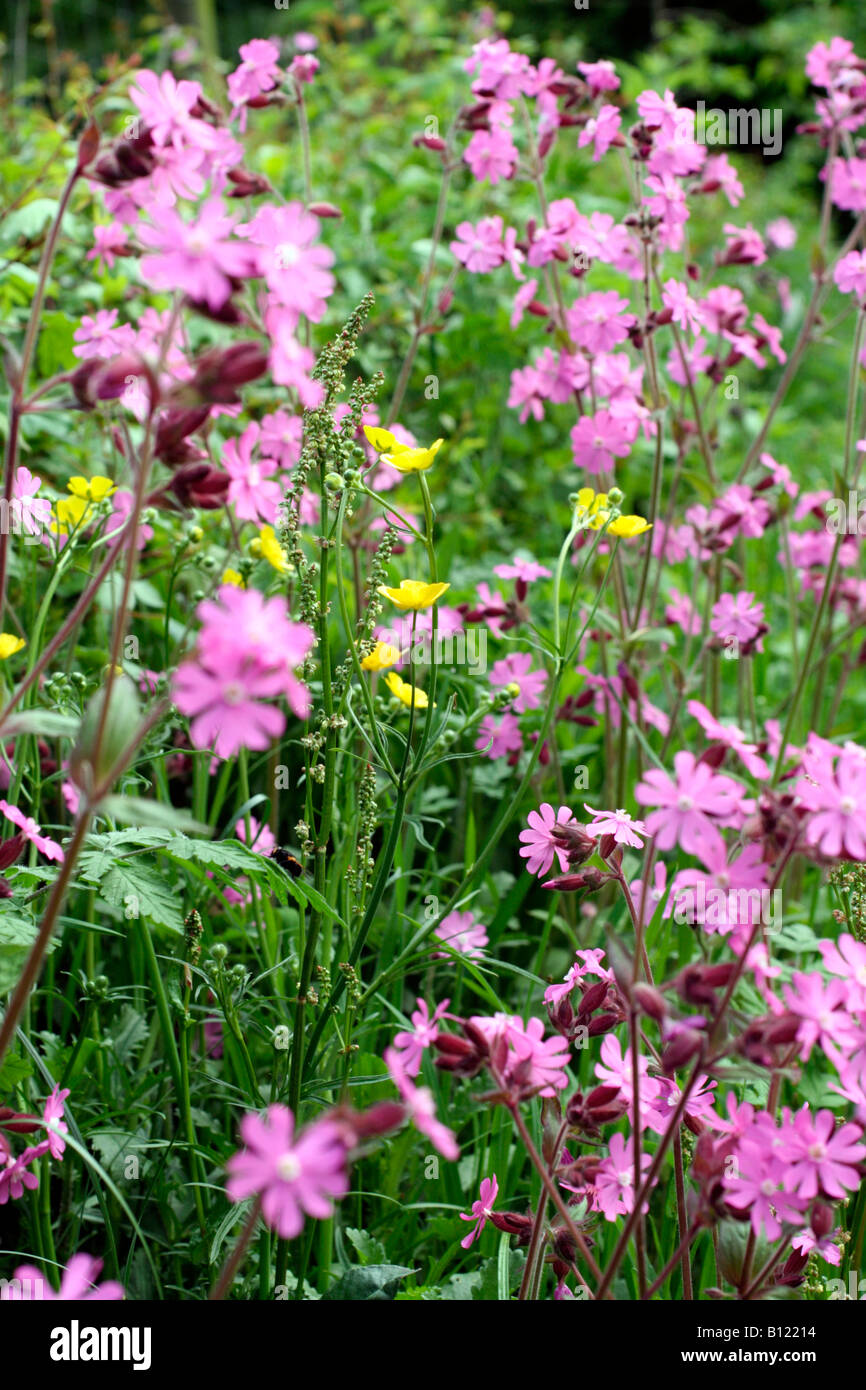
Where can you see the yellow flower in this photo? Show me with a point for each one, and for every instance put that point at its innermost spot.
(232, 577)
(629, 526)
(71, 511)
(404, 457)
(268, 547)
(402, 690)
(414, 593)
(9, 645)
(91, 489)
(592, 508)
(382, 655)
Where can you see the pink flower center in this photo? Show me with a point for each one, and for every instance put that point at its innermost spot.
(233, 692)
(768, 1187)
(289, 1167)
(847, 805)
(817, 1150)
(684, 803)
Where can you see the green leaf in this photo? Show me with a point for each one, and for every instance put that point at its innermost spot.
(369, 1283)
(370, 1251)
(17, 935)
(131, 810)
(135, 889)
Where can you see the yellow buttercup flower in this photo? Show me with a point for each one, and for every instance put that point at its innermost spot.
(408, 694)
(592, 508)
(9, 645)
(70, 511)
(414, 593)
(91, 489)
(406, 458)
(629, 526)
(232, 577)
(382, 655)
(268, 548)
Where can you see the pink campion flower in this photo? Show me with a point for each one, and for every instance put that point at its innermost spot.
(101, 336)
(31, 513)
(463, 933)
(828, 64)
(17, 1175)
(281, 438)
(682, 613)
(166, 107)
(200, 258)
(699, 1106)
(739, 512)
(501, 71)
(122, 503)
(850, 274)
(822, 1007)
(619, 824)
(601, 130)
(725, 894)
(756, 1184)
(526, 393)
(514, 669)
(615, 1069)
(498, 738)
(739, 617)
(55, 1125)
(823, 1160)
(532, 1061)
(836, 801)
(600, 76)
(696, 360)
(77, 1284)
(848, 184)
(667, 201)
(491, 154)
(291, 363)
(731, 737)
(253, 490)
(656, 894)
(690, 805)
(805, 1242)
(676, 297)
(847, 957)
(304, 67)
(524, 571)
(614, 1191)
(479, 247)
(598, 439)
(719, 174)
(781, 233)
(262, 838)
(521, 302)
(422, 1107)
(412, 1046)
(110, 240)
(258, 72)
(32, 832)
(539, 847)
(560, 374)
(780, 474)
(745, 246)
(296, 269)
(597, 323)
(481, 1209)
(247, 651)
(295, 1175)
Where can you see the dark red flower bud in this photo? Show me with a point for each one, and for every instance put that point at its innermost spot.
(590, 879)
(200, 485)
(514, 1223)
(686, 1044)
(221, 370)
(649, 1000)
(11, 849)
(325, 210)
(172, 433)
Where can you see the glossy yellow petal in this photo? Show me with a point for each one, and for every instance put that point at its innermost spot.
(414, 593)
(382, 656)
(413, 460)
(9, 645)
(406, 693)
(629, 526)
(383, 440)
(232, 577)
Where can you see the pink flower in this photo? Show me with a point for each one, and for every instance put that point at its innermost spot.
(676, 297)
(463, 933)
(615, 1069)
(32, 832)
(497, 738)
(848, 184)
(16, 1176)
(739, 617)
(755, 1184)
(601, 76)
(614, 1190)
(514, 670)
(412, 1046)
(110, 241)
(246, 654)
(422, 1107)
(253, 491)
(690, 805)
(293, 1175)
(52, 1119)
(538, 1062)
(836, 800)
(823, 1160)
(481, 1210)
(166, 106)
(539, 847)
(296, 270)
(822, 1007)
(596, 322)
(524, 571)
(619, 824)
(479, 248)
(198, 257)
(281, 438)
(491, 154)
(602, 130)
(731, 737)
(598, 439)
(257, 73)
(101, 336)
(77, 1285)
